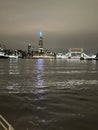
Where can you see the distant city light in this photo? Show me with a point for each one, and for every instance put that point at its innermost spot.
(41, 34)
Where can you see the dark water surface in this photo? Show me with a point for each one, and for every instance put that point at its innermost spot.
(49, 94)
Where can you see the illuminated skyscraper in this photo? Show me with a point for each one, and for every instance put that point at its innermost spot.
(41, 43)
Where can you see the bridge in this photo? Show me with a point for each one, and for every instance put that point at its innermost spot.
(76, 53)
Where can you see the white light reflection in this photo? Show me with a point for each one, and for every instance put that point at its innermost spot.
(40, 68)
(13, 66)
(13, 86)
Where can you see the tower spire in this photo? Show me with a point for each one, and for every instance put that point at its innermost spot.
(41, 34)
(41, 43)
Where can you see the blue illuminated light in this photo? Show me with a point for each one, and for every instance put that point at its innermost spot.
(41, 34)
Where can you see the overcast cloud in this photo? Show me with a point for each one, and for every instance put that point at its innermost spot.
(64, 23)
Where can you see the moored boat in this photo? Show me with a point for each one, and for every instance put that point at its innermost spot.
(3, 56)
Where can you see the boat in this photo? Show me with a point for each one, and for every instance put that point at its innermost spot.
(13, 56)
(88, 57)
(3, 56)
(43, 57)
(61, 56)
(96, 58)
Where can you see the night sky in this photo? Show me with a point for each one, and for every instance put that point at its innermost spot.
(64, 23)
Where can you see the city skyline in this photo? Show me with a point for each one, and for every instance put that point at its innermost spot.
(64, 24)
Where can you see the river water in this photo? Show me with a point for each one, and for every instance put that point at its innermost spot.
(49, 94)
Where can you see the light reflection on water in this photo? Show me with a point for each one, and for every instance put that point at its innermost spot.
(40, 74)
(44, 94)
(13, 66)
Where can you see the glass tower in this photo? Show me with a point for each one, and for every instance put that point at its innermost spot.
(41, 43)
